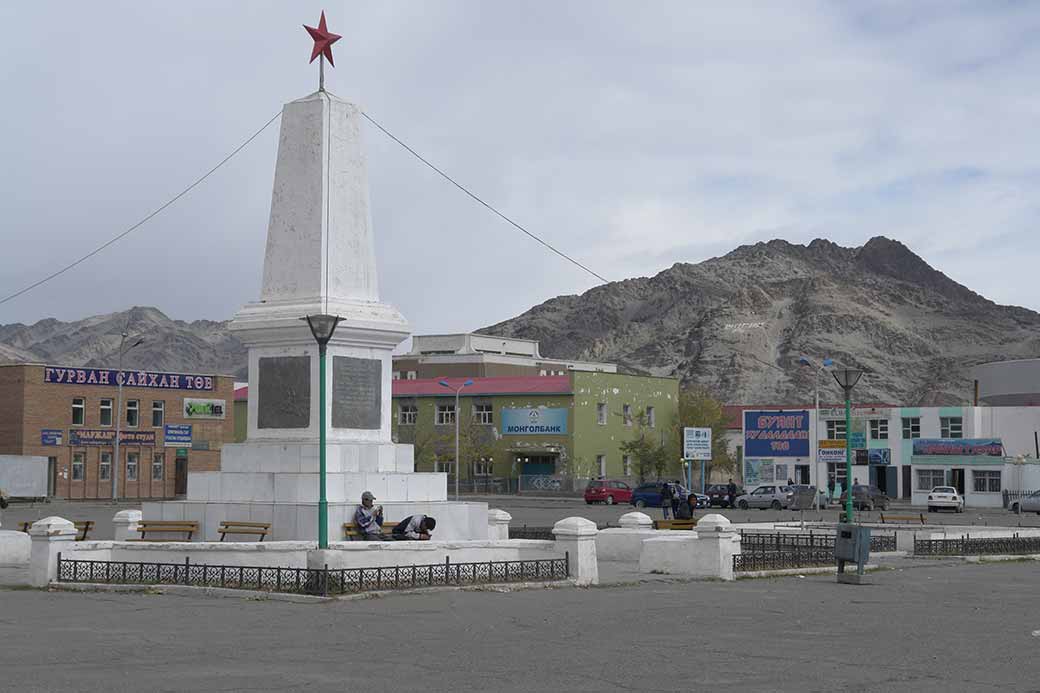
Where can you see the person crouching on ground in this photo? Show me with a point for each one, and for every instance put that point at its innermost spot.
(368, 518)
(684, 511)
(415, 527)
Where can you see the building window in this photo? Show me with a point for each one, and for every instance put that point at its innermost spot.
(601, 414)
(79, 407)
(484, 466)
(410, 375)
(951, 427)
(879, 429)
(542, 372)
(78, 459)
(986, 481)
(105, 413)
(651, 417)
(626, 463)
(447, 466)
(445, 414)
(911, 427)
(482, 414)
(157, 467)
(158, 414)
(836, 430)
(927, 479)
(601, 465)
(133, 413)
(397, 375)
(131, 466)
(407, 414)
(105, 468)
(626, 413)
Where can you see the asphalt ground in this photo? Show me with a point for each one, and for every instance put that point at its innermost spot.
(935, 626)
(543, 512)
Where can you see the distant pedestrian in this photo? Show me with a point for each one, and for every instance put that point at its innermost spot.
(666, 498)
(684, 511)
(731, 494)
(678, 497)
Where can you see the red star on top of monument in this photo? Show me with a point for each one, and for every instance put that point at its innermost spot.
(323, 40)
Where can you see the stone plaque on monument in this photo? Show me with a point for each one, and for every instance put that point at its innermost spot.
(285, 392)
(357, 393)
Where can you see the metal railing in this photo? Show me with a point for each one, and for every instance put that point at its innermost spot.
(525, 532)
(966, 546)
(314, 581)
(762, 542)
(793, 557)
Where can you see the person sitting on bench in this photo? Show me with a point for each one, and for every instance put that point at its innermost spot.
(686, 508)
(369, 519)
(415, 527)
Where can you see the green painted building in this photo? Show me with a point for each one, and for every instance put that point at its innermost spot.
(572, 425)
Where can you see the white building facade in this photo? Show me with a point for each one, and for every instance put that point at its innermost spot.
(904, 451)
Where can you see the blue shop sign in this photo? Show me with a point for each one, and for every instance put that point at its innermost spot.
(51, 436)
(879, 456)
(776, 433)
(176, 435)
(536, 421)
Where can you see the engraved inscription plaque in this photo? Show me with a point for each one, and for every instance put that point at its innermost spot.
(285, 392)
(357, 393)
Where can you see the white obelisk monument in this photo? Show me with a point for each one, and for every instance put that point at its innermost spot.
(320, 259)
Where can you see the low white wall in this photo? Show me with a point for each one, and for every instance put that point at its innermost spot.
(15, 548)
(275, 554)
(374, 554)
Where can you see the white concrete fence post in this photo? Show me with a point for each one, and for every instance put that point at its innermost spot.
(636, 520)
(50, 536)
(719, 542)
(577, 536)
(498, 524)
(126, 522)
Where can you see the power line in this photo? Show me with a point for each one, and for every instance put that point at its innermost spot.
(169, 202)
(478, 199)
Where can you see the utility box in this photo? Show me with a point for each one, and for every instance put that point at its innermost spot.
(852, 545)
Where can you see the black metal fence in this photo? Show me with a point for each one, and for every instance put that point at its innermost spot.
(757, 542)
(792, 557)
(966, 546)
(314, 581)
(526, 532)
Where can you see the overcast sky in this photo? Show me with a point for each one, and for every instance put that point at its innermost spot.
(632, 135)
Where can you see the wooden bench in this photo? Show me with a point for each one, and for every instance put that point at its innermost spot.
(675, 524)
(351, 531)
(83, 528)
(886, 519)
(189, 527)
(259, 528)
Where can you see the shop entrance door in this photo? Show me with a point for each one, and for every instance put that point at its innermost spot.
(957, 480)
(907, 488)
(180, 483)
(801, 474)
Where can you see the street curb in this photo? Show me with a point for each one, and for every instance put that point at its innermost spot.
(787, 572)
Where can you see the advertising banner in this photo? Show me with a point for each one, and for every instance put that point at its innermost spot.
(697, 443)
(51, 436)
(176, 435)
(757, 472)
(204, 408)
(831, 451)
(107, 436)
(992, 447)
(776, 433)
(879, 456)
(527, 422)
(105, 376)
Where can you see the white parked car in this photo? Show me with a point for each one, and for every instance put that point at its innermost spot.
(945, 497)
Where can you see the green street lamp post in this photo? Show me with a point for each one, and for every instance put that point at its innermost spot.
(322, 327)
(847, 379)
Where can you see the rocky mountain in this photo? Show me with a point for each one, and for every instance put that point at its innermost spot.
(202, 346)
(738, 324)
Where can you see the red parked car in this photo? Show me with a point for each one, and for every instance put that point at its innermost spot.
(609, 492)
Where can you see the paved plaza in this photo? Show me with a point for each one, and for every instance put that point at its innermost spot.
(932, 626)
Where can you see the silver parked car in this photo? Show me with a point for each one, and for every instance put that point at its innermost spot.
(767, 496)
(1029, 504)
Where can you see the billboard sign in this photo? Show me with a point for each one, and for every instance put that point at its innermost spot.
(176, 435)
(831, 451)
(106, 376)
(51, 436)
(776, 433)
(106, 436)
(534, 421)
(757, 472)
(879, 456)
(991, 447)
(204, 408)
(697, 443)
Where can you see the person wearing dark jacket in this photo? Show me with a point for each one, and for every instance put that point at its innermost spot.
(415, 527)
(666, 499)
(731, 494)
(685, 509)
